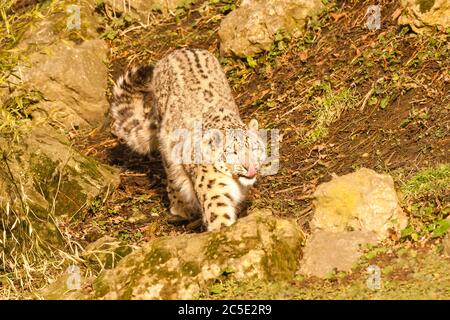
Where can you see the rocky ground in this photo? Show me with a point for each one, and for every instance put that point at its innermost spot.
(342, 96)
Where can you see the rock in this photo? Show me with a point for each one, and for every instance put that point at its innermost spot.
(363, 201)
(60, 287)
(251, 28)
(327, 251)
(106, 252)
(179, 267)
(56, 26)
(42, 177)
(73, 81)
(142, 8)
(424, 16)
(67, 66)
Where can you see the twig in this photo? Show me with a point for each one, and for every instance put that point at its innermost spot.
(367, 96)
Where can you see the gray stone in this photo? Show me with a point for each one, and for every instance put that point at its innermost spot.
(66, 65)
(73, 80)
(326, 252)
(425, 16)
(362, 200)
(251, 28)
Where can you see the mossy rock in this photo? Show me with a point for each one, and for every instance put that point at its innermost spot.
(259, 246)
(42, 178)
(105, 253)
(425, 16)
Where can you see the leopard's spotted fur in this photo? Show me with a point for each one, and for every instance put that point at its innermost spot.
(183, 89)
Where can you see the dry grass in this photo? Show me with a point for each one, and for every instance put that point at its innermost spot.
(28, 261)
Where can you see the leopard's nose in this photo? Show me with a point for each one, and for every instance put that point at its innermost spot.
(251, 171)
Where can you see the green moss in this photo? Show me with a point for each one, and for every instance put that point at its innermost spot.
(70, 196)
(214, 243)
(90, 168)
(47, 232)
(100, 286)
(156, 256)
(190, 268)
(425, 5)
(282, 262)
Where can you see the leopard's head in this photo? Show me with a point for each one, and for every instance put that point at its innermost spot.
(241, 154)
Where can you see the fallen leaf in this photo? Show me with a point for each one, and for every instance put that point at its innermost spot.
(337, 16)
(303, 55)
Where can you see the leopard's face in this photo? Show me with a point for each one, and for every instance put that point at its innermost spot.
(243, 155)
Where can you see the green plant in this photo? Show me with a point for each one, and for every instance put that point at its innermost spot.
(429, 180)
(327, 107)
(115, 25)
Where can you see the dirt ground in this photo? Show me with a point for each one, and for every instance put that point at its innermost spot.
(397, 119)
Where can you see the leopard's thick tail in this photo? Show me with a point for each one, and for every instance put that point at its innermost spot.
(133, 119)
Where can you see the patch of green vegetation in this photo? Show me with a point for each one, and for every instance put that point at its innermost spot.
(100, 286)
(370, 253)
(16, 111)
(429, 279)
(226, 6)
(430, 180)
(115, 25)
(96, 205)
(421, 194)
(328, 105)
(284, 260)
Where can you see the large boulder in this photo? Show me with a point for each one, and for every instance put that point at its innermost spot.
(424, 16)
(258, 246)
(351, 212)
(65, 62)
(362, 201)
(252, 27)
(72, 79)
(43, 177)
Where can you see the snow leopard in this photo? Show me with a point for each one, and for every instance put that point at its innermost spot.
(187, 90)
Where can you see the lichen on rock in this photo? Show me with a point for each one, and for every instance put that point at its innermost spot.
(362, 200)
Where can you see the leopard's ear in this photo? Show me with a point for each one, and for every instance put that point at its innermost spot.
(253, 124)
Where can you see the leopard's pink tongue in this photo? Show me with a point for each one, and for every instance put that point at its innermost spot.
(251, 171)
